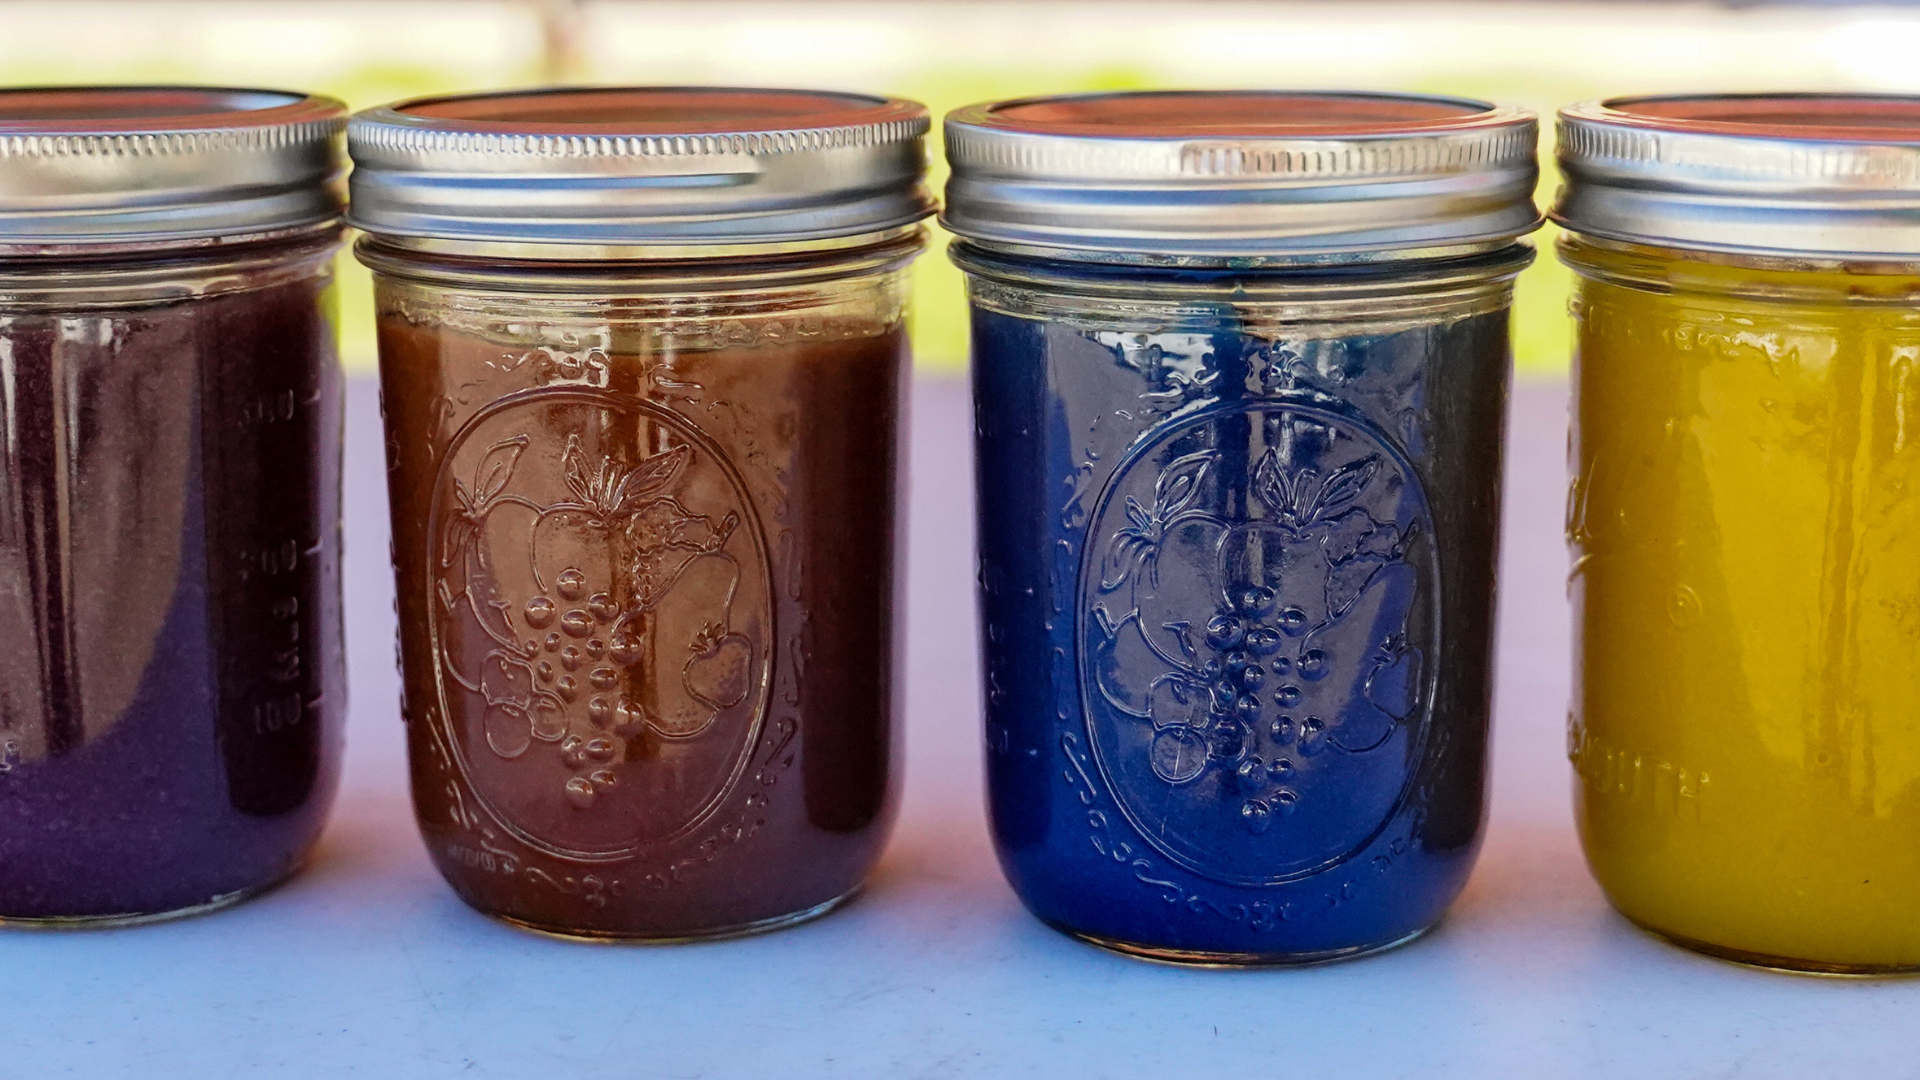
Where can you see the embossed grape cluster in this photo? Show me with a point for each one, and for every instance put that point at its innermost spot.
(587, 634)
(1246, 637)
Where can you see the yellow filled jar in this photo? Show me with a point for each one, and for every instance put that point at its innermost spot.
(1745, 723)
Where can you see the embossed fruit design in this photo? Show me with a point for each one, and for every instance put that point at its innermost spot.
(591, 604)
(1248, 634)
(716, 675)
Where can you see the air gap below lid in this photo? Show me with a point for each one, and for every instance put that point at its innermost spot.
(1241, 173)
(664, 165)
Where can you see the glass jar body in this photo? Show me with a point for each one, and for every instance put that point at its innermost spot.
(645, 543)
(1744, 728)
(1238, 532)
(173, 708)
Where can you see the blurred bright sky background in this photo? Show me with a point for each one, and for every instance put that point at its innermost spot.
(952, 52)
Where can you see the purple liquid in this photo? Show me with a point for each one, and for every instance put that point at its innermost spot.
(172, 692)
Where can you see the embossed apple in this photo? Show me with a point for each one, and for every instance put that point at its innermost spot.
(716, 674)
(1391, 685)
(682, 631)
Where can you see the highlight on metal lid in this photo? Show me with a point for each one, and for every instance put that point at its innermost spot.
(641, 165)
(1790, 175)
(164, 165)
(1241, 173)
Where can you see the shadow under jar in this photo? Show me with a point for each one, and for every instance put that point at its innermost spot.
(1240, 387)
(643, 457)
(172, 693)
(1745, 728)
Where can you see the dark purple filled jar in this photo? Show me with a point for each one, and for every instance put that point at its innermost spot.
(172, 685)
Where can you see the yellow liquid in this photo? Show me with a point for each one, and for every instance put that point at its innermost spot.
(1745, 526)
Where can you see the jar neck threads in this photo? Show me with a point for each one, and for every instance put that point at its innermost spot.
(639, 271)
(1656, 268)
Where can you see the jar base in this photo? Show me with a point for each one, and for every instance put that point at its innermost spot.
(604, 937)
(1190, 958)
(114, 922)
(1786, 965)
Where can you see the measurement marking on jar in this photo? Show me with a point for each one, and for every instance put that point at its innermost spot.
(277, 407)
(278, 713)
(269, 560)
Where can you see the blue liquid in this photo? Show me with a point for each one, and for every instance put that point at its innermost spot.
(1237, 605)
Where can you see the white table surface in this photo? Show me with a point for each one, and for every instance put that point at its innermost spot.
(368, 966)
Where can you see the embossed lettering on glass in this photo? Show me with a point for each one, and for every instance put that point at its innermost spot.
(642, 437)
(173, 690)
(1744, 730)
(1239, 414)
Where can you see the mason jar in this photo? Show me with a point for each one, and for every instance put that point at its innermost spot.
(172, 697)
(1240, 368)
(1745, 729)
(642, 354)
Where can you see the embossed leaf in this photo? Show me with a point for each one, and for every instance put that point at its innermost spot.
(1124, 552)
(573, 464)
(1344, 485)
(460, 532)
(653, 474)
(1270, 484)
(495, 469)
(603, 490)
(1179, 484)
(1137, 514)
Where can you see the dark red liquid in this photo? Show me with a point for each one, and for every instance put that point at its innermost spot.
(647, 621)
(172, 695)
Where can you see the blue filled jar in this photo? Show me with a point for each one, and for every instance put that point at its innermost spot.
(1240, 367)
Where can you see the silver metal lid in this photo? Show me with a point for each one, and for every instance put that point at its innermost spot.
(1241, 173)
(145, 166)
(1793, 175)
(609, 166)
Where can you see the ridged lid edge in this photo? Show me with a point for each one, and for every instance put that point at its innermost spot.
(443, 168)
(1464, 182)
(1721, 189)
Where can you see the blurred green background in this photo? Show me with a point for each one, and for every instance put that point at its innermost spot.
(948, 53)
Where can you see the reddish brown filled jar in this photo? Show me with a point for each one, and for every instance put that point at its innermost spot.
(642, 355)
(173, 687)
